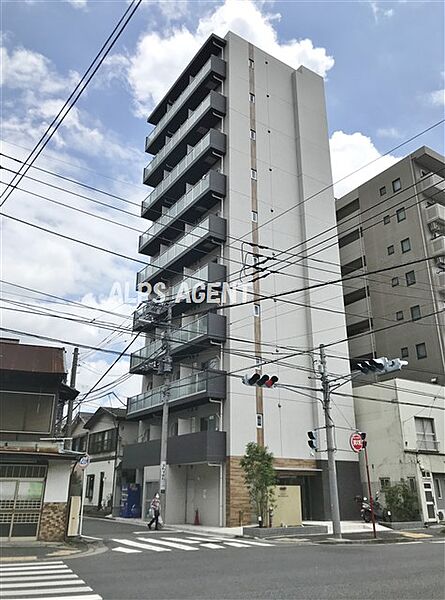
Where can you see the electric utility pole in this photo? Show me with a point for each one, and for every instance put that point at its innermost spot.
(69, 414)
(332, 470)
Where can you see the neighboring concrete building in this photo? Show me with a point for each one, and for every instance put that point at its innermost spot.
(395, 218)
(34, 470)
(404, 422)
(78, 431)
(238, 139)
(107, 434)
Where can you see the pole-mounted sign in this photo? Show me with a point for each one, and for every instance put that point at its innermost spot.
(356, 442)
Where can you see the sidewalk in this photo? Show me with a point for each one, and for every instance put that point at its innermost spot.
(30, 551)
(216, 531)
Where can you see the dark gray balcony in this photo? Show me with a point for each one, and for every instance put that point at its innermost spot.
(210, 273)
(204, 237)
(208, 78)
(190, 391)
(191, 448)
(205, 194)
(191, 338)
(207, 115)
(188, 171)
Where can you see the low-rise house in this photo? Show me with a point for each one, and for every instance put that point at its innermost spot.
(35, 469)
(404, 422)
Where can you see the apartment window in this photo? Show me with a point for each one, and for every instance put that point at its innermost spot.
(208, 423)
(421, 350)
(394, 281)
(259, 421)
(396, 185)
(400, 214)
(254, 216)
(385, 482)
(253, 174)
(412, 483)
(89, 489)
(386, 220)
(251, 97)
(415, 312)
(410, 277)
(251, 63)
(103, 441)
(348, 209)
(349, 238)
(80, 443)
(390, 250)
(382, 190)
(252, 134)
(399, 315)
(404, 353)
(425, 433)
(438, 488)
(406, 245)
(256, 310)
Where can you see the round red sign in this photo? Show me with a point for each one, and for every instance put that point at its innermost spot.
(356, 442)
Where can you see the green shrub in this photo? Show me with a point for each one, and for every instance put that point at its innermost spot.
(402, 502)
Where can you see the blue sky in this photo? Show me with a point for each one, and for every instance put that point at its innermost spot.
(384, 70)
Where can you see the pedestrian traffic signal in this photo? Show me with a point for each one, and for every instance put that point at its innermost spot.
(379, 366)
(260, 380)
(363, 436)
(313, 439)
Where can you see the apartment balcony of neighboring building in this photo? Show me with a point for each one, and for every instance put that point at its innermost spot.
(435, 218)
(189, 170)
(209, 78)
(144, 317)
(195, 336)
(207, 235)
(441, 283)
(437, 246)
(433, 187)
(209, 190)
(206, 116)
(193, 390)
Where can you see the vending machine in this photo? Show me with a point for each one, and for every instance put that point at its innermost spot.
(131, 501)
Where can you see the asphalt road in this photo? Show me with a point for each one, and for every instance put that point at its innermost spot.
(278, 570)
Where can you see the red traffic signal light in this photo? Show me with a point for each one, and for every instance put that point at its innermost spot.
(260, 380)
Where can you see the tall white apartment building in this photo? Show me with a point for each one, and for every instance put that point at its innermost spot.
(241, 171)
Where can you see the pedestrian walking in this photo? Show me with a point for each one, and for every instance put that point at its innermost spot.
(155, 510)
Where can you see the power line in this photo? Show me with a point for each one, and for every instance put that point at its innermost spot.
(73, 97)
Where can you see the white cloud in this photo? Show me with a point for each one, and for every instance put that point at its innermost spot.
(437, 98)
(389, 132)
(350, 152)
(78, 3)
(378, 11)
(172, 10)
(159, 59)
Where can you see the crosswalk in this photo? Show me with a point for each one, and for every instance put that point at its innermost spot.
(46, 580)
(190, 543)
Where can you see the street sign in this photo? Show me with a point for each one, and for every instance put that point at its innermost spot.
(356, 442)
(163, 476)
(84, 461)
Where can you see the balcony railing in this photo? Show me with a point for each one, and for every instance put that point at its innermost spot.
(213, 138)
(208, 327)
(214, 64)
(212, 100)
(211, 227)
(433, 186)
(202, 383)
(209, 273)
(438, 246)
(212, 181)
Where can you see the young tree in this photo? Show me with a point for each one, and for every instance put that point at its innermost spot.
(259, 475)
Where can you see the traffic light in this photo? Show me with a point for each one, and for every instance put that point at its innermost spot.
(313, 439)
(260, 380)
(380, 366)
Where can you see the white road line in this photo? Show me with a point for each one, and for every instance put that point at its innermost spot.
(139, 545)
(142, 531)
(407, 543)
(252, 543)
(48, 567)
(211, 546)
(38, 592)
(31, 564)
(237, 544)
(20, 585)
(39, 572)
(181, 540)
(86, 597)
(7, 579)
(438, 542)
(209, 539)
(126, 550)
(170, 544)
